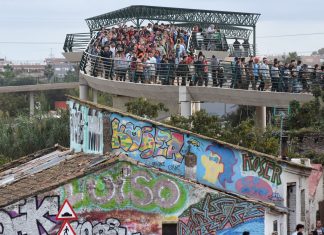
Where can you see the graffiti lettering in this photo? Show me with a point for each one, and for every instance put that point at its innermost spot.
(39, 216)
(275, 197)
(265, 168)
(95, 131)
(214, 214)
(173, 167)
(112, 226)
(76, 125)
(139, 187)
(131, 138)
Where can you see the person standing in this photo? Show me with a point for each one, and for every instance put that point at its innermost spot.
(275, 77)
(319, 230)
(256, 72)
(299, 229)
(265, 76)
(107, 61)
(214, 64)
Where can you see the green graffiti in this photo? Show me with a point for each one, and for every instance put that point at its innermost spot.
(127, 186)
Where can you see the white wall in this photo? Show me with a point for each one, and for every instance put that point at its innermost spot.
(269, 219)
(294, 176)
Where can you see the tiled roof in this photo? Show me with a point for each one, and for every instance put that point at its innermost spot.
(18, 183)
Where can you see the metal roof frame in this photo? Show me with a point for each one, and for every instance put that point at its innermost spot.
(229, 22)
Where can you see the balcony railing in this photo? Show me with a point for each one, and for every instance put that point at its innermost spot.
(225, 74)
(76, 42)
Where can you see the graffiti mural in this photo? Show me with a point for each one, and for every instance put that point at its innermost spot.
(129, 189)
(77, 122)
(209, 163)
(133, 188)
(151, 145)
(39, 215)
(111, 226)
(95, 132)
(229, 169)
(265, 168)
(119, 222)
(86, 128)
(217, 213)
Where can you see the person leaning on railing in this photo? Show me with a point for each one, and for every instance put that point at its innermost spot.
(107, 57)
(121, 66)
(214, 64)
(182, 71)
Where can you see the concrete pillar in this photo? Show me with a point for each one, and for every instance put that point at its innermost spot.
(196, 106)
(83, 89)
(261, 117)
(31, 103)
(83, 92)
(185, 102)
(95, 96)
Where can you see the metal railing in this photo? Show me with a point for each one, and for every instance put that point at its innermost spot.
(225, 74)
(76, 42)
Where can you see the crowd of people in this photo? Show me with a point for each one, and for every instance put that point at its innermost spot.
(318, 230)
(161, 54)
(275, 76)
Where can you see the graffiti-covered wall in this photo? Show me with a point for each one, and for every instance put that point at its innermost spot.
(126, 199)
(86, 129)
(202, 160)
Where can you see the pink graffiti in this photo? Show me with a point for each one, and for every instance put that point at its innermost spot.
(254, 186)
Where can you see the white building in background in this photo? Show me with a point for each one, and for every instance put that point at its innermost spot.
(61, 66)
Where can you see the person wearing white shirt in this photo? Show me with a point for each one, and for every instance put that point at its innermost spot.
(152, 68)
(299, 229)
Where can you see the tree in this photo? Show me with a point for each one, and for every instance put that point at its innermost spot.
(7, 75)
(200, 122)
(24, 135)
(321, 51)
(244, 134)
(12, 105)
(70, 76)
(291, 56)
(308, 115)
(144, 108)
(49, 71)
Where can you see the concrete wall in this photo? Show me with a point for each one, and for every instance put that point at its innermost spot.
(201, 160)
(126, 199)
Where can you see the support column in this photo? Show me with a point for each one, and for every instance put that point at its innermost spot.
(196, 106)
(31, 104)
(95, 96)
(261, 117)
(83, 89)
(254, 41)
(83, 92)
(185, 102)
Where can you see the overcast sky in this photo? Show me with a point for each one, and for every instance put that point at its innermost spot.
(50, 20)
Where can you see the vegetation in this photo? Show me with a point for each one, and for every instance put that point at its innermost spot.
(291, 56)
(144, 108)
(304, 121)
(244, 134)
(22, 135)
